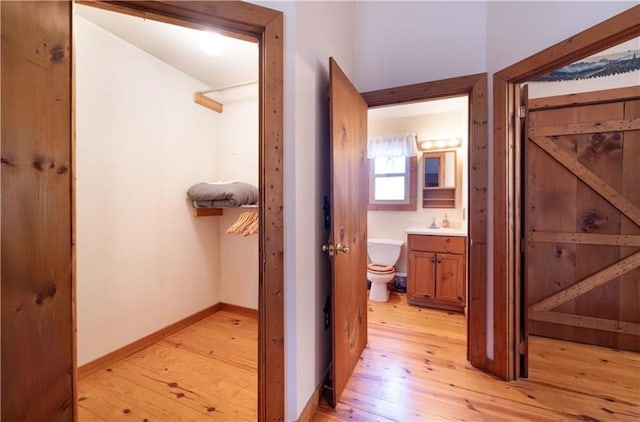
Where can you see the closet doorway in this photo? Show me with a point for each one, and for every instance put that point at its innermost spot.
(44, 385)
(166, 306)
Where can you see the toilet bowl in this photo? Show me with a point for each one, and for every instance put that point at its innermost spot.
(383, 254)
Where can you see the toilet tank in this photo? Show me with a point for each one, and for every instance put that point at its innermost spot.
(384, 251)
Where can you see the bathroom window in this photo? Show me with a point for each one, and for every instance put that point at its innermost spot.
(392, 184)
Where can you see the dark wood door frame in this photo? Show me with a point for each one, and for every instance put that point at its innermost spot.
(475, 86)
(236, 19)
(247, 21)
(507, 184)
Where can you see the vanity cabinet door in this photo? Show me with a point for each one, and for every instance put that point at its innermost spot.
(422, 272)
(436, 273)
(450, 278)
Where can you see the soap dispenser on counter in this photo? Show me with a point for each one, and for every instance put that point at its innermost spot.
(445, 222)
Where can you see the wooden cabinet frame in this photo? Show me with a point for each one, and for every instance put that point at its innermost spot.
(507, 184)
(55, 372)
(430, 256)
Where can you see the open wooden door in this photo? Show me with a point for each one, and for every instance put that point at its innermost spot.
(583, 217)
(347, 246)
(522, 331)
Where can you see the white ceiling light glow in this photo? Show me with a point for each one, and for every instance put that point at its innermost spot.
(212, 43)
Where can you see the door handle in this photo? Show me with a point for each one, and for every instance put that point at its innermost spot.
(335, 250)
(328, 248)
(342, 248)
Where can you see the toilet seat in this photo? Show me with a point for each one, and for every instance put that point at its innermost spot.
(380, 269)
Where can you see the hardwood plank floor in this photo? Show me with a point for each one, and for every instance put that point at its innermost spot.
(207, 371)
(415, 369)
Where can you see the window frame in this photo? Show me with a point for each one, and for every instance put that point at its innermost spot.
(410, 203)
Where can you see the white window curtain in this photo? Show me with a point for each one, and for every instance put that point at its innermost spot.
(398, 145)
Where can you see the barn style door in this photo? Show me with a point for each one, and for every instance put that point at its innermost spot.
(582, 217)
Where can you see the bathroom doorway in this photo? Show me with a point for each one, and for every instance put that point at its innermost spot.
(454, 127)
(417, 219)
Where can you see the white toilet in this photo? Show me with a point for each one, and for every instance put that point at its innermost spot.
(383, 254)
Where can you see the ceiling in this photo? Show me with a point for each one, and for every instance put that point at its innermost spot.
(181, 48)
(446, 105)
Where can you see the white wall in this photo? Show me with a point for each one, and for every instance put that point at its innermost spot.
(143, 261)
(392, 224)
(324, 29)
(400, 43)
(238, 160)
(314, 31)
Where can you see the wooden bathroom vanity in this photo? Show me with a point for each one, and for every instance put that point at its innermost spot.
(437, 271)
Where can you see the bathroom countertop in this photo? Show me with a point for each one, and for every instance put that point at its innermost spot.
(436, 232)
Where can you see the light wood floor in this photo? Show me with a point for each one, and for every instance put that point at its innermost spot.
(415, 369)
(207, 371)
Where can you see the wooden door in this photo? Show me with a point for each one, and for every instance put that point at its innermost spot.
(450, 278)
(582, 229)
(349, 198)
(423, 271)
(37, 334)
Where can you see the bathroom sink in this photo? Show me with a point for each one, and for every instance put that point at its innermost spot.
(440, 231)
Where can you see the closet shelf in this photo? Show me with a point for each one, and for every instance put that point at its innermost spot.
(206, 212)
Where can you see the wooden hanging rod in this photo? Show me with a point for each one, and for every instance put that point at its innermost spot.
(205, 101)
(224, 88)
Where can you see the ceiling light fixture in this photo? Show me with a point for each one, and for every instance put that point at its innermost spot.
(440, 144)
(212, 43)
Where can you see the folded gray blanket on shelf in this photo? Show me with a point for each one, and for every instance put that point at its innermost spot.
(219, 195)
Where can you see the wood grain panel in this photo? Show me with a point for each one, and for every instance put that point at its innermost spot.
(551, 196)
(602, 155)
(37, 325)
(597, 127)
(586, 238)
(349, 199)
(587, 322)
(629, 287)
(590, 178)
(449, 271)
(551, 193)
(451, 244)
(477, 234)
(271, 376)
(584, 98)
(586, 310)
(423, 268)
